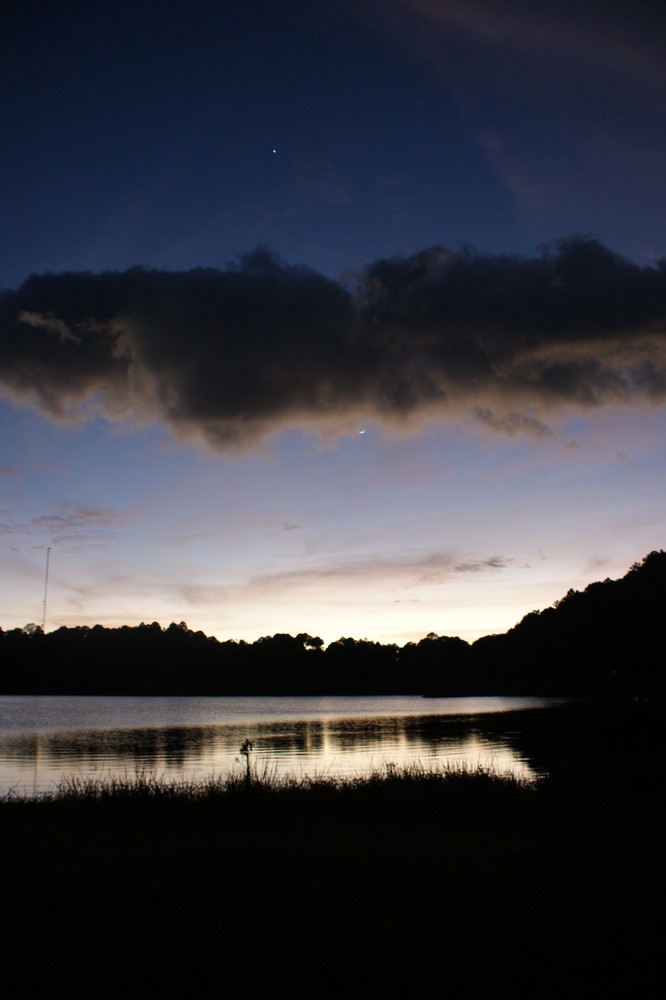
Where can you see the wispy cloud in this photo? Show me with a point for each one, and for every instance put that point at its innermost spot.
(282, 529)
(69, 524)
(615, 38)
(625, 458)
(566, 100)
(482, 565)
(406, 570)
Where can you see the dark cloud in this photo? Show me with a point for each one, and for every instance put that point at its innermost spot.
(233, 357)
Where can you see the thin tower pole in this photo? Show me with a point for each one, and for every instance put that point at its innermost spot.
(46, 586)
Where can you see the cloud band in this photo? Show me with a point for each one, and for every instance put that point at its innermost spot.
(232, 357)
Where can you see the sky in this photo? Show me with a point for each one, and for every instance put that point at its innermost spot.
(346, 318)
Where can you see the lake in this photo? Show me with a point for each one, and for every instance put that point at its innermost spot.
(46, 739)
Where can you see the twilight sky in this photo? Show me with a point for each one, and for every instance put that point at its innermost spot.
(327, 316)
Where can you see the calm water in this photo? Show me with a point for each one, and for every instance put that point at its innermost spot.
(46, 739)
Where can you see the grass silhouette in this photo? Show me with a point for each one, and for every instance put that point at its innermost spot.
(403, 881)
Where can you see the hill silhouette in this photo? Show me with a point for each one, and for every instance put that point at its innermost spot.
(606, 640)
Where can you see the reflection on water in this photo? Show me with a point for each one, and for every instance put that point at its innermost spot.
(43, 740)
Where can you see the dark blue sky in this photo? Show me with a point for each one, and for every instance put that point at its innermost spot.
(139, 133)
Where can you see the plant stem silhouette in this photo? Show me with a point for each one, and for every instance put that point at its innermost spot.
(245, 751)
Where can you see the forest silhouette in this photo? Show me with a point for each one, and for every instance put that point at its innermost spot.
(603, 641)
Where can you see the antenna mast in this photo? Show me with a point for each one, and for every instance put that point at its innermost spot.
(46, 584)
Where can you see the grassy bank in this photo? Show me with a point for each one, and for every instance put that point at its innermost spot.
(402, 883)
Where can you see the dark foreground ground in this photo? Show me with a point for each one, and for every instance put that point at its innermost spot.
(406, 886)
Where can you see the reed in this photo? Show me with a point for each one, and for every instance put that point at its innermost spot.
(268, 781)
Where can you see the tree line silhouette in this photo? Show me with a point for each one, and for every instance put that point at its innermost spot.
(605, 640)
